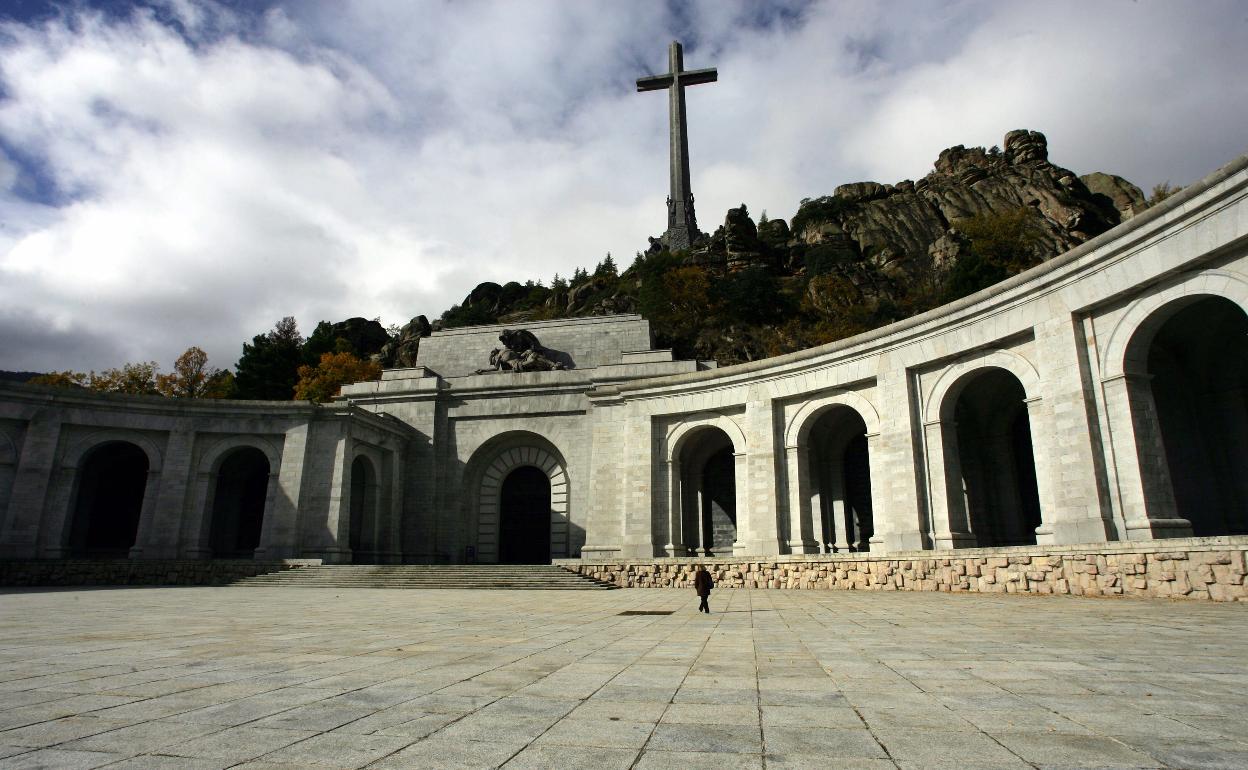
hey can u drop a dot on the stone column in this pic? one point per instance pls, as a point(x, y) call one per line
point(879, 501)
point(898, 462)
point(747, 540)
point(675, 541)
point(58, 519)
point(758, 510)
point(1070, 472)
point(840, 511)
point(336, 549)
point(392, 505)
point(279, 532)
point(196, 542)
point(1144, 489)
point(705, 530)
point(801, 511)
point(160, 534)
point(147, 513)
point(948, 500)
point(19, 539)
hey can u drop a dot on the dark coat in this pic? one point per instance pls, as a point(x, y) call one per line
point(702, 583)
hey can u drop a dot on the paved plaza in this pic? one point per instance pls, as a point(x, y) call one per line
point(292, 677)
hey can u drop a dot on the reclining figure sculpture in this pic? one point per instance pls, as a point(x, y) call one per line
point(521, 353)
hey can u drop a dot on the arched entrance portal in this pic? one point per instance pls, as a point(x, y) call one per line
point(111, 484)
point(238, 504)
point(842, 476)
point(365, 533)
point(994, 451)
point(1198, 365)
point(524, 517)
point(706, 463)
point(510, 500)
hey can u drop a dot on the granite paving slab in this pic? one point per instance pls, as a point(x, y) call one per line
point(278, 679)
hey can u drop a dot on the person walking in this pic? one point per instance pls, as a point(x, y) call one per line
point(702, 585)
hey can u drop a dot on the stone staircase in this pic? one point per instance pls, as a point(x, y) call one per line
point(516, 576)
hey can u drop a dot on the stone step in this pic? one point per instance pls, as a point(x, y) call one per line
point(466, 576)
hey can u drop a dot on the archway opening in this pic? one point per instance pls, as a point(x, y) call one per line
point(997, 461)
point(238, 504)
point(1198, 363)
point(708, 486)
point(111, 483)
point(524, 517)
point(364, 523)
point(842, 481)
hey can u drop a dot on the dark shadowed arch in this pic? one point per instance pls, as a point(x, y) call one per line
point(365, 534)
point(1195, 355)
point(112, 479)
point(239, 503)
point(996, 459)
point(524, 517)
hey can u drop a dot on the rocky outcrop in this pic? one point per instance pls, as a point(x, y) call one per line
point(904, 227)
point(866, 255)
point(741, 245)
point(1117, 192)
point(401, 351)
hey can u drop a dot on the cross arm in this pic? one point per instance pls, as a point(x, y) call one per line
point(654, 83)
point(693, 77)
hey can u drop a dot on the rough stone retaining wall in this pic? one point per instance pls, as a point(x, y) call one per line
point(1189, 568)
point(137, 572)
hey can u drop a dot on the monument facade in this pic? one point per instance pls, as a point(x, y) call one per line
point(1101, 397)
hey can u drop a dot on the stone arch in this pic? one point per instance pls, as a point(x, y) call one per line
point(982, 436)
point(241, 500)
point(1133, 332)
point(364, 529)
point(679, 433)
point(113, 492)
point(494, 461)
point(948, 386)
point(832, 504)
point(210, 460)
point(1177, 402)
point(703, 472)
point(198, 534)
point(79, 449)
point(796, 433)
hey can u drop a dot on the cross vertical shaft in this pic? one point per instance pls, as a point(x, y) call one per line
point(682, 224)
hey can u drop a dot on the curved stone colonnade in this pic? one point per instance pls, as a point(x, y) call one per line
point(1101, 396)
point(105, 476)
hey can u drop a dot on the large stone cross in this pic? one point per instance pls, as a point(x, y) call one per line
point(682, 224)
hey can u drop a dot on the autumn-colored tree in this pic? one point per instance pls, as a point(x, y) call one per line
point(190, 376)
point(322, 382)
point(65, 379)
point(220, 385)
point(138, 379)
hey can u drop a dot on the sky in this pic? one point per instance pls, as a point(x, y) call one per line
point(187, 172)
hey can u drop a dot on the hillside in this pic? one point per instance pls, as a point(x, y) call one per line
point(864, 256)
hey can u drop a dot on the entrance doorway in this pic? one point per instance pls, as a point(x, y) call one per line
point(524, 512)
point(1198, 367)
point(238, 504)
point(110, 498)
point(993, 435)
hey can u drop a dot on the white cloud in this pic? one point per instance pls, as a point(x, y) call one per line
point(381, 158)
